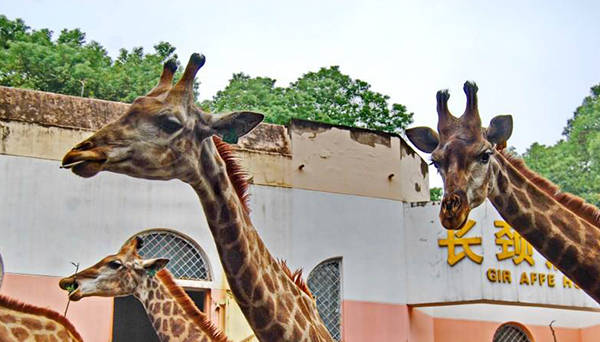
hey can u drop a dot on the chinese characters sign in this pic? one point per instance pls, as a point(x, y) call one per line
point(511, 246)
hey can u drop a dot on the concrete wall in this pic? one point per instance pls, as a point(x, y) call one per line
point(334, 158)
point(341, 203)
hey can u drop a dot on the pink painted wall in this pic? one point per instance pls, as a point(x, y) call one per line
point(590, 334)
point(451, 330)
point(368, 321)
point(92, 317)
point(421, 326)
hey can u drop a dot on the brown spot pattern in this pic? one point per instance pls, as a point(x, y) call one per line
point(31, 324)
point(19, 333)
point(177, 326)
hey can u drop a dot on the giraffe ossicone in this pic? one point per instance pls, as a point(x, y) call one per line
point(172, 313)
point(163, 136)
point(474, 166)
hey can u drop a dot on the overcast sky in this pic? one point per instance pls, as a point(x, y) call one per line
point(533, 59)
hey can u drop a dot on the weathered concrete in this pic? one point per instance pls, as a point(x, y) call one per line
point(306, 155)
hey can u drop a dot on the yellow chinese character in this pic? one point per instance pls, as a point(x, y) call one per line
point(513, 245)
point(455, 238)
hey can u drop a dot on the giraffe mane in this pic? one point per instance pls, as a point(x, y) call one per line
point(296, 278)
point(16, 305)
point(190, 308)
point(574, 203)
point(235, 171)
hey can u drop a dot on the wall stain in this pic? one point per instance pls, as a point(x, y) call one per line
point(424, 168)
point(417, 187)
point(368, 138)
point(4, 132)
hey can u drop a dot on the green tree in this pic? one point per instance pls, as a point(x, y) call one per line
point(435, 194)
point(326, 95)
point(252, 93)
point(574, 163)
point(68, 65)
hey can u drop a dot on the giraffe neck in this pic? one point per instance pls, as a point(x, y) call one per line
point(168, 309)
point(21, 322)
point(568, 241)
point(274, 306)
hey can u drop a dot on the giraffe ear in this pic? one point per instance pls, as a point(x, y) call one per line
point(424, 138)
point(500, 129)
point(154, 265)
point(231, 126)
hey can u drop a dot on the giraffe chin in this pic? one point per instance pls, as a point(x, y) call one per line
point(75, 296)
point(87, 169)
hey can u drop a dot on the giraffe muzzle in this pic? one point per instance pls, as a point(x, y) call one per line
point(455, 210)
point(72, 286)
point(84, 163)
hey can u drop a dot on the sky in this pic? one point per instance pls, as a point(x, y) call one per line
point(535, 60)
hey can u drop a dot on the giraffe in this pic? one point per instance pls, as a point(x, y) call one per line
point(171, 311)
point(165, 136)
point(20, 322)
point(474, 166)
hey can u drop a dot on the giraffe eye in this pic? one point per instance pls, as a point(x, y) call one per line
point(484, 158)
point(435, 163)
point(169, 124)
point(115, 265)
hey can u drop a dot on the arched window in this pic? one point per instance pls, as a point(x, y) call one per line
point(512, 332)
point(324, 281)
point(187, 260)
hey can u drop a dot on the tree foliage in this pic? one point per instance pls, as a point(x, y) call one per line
point(327, 95)
point(574, 162)
point(68, 65)
point(435, 194)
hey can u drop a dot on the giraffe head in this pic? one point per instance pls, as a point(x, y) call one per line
point(158, 137)
point(461, 150)
point(115, 275)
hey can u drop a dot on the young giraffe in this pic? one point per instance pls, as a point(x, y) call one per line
point(172, 313)
point(165, 136)
point(20, 322)
point(473, 166)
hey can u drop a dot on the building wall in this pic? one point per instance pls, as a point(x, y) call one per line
point(348, 201)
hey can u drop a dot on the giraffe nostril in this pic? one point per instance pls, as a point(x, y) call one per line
point(85, 145)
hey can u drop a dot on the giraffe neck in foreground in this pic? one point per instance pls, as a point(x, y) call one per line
point(569, 242)
point(23, 323)
point(168, 316)
point(275, 307)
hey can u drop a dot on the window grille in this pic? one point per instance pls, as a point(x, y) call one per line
point(186, 260)
point(325, 283)
point(511, 332)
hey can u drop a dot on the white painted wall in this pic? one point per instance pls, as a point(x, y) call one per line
point(431, 280)
point(49, 217)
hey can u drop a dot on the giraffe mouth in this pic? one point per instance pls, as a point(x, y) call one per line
point(84, 163)
point(72, 287)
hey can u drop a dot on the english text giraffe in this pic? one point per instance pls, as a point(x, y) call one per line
point(172, 313)
point(20, 322)
point(164, 136)
point(473, 166)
